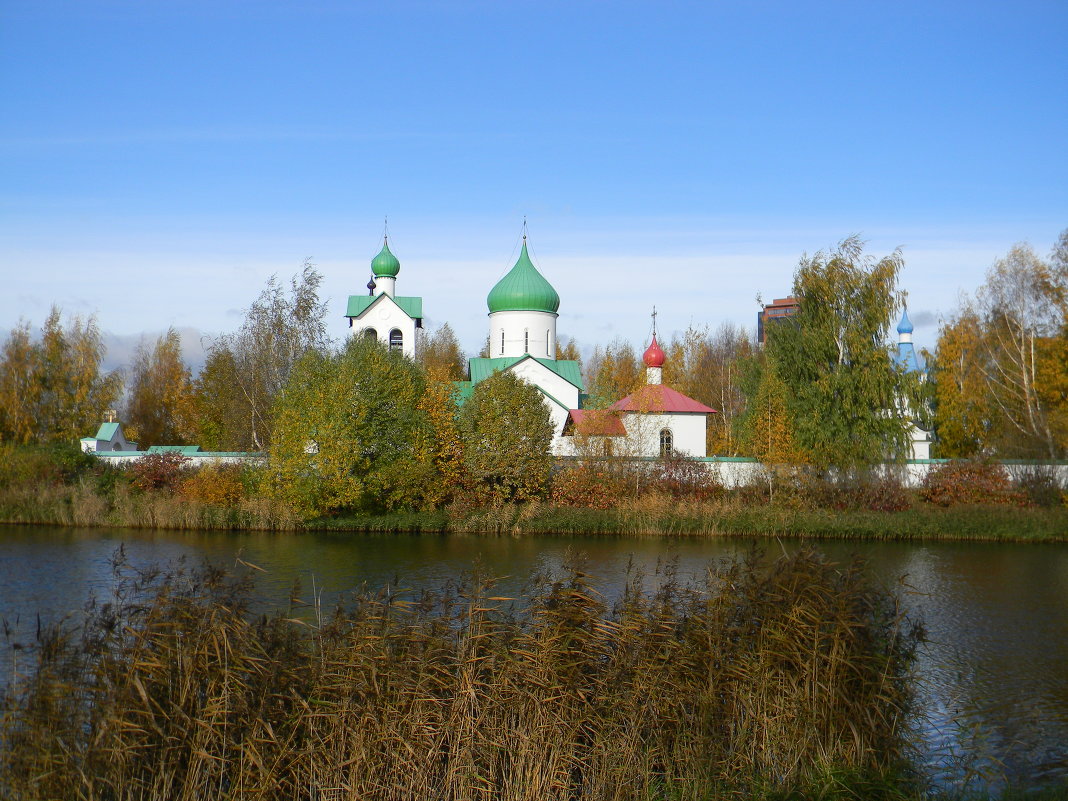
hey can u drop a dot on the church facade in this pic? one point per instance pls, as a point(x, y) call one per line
point(655, 420)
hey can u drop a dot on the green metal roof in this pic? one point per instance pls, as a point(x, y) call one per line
point(567, 369)
point(185, 450)
point(523, 288)
point(385, 264)
point(358, 304)
point(107, 430)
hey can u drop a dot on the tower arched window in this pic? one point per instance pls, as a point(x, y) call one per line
point(502, 341)
point(370, 333)
point(526, 340)
point(666, 443)
point(396, 340)
point(548, 345)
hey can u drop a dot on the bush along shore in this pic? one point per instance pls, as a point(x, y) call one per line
point(958, 500)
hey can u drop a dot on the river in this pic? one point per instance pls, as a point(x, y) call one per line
point(993, 677)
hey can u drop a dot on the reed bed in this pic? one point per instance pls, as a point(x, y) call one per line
point(761, 679)
point(82, 504)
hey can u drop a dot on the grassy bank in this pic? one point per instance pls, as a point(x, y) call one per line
point(989, 523)
point(764, 680)
point(59, 487)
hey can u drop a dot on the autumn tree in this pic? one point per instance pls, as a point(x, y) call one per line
point(441, 445)
point(569, 352)
point(440, 351)
point(1023, 352)
point(706, 366)
point(507, 434)
point(279, 328)
point(765, 428)
point(844, 390)
point(51, 388)
point(613, 372)
point(347, 430)
point(964, 421)
point(160, 399)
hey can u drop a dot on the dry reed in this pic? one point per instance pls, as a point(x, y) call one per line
point(762, 677)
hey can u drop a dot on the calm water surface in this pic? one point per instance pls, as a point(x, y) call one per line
point(994, 677)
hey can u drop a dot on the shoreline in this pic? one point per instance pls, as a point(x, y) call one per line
point(925, 523)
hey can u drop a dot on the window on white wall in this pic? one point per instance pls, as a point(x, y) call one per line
point(526, 341)
point(547, 345)
point(665, 443)
point(502, 341)
point(370, 333)
point(396, 340)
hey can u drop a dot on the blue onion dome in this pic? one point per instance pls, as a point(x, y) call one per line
point(385, 264)
point(905, 326)
point(523, 288)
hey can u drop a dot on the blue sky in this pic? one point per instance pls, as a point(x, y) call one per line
point(158, 161)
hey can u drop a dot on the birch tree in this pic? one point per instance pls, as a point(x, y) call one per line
point(834, 356)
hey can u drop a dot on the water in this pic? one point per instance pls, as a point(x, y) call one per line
point(993, 679)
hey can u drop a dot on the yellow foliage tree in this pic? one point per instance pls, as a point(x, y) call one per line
point(161, 399)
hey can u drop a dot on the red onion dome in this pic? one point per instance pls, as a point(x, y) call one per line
point(653, 356)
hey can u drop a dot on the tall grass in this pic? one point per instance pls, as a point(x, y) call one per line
point(764, 678)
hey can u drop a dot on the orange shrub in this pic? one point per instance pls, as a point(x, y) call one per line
point(970, 482)
point(584, 486)
point(219, 485)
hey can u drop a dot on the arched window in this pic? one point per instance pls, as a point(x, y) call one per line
point(396, 340)
point(502, 341)
point(370, 333)
point(548, 352)
point(526, 340)
point(665, 443)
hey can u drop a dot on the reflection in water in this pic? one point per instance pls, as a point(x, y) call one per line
point(993, 679)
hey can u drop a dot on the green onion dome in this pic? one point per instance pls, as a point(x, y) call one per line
point(385, 264)
point(523, 289)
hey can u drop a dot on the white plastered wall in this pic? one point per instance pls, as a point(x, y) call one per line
point(385, 316)
point(530, 332)
point(687, 433)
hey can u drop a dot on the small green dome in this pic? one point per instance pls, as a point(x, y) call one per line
point(523, 289)
point(385, 264)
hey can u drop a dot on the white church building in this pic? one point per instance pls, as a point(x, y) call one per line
point(382, 314)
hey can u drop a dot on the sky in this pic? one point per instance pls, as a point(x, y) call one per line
point(160, 161)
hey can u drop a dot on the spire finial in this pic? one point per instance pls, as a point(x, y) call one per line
point(524, 228)
point(385, 228)
point(654, 321)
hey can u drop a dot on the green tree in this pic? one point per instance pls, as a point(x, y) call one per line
point(222, 411)
point(507, 434)
point(441, 351)
point(51, 389)
point(845, 393)
point(278, 329)
point(765, 429)
point(347, 431)
point(160, 406)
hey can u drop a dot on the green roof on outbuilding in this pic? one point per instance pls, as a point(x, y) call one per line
point(185, 450)
point(107, 430)
point(358, 304)
point(523, 288)
point(569, 370)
